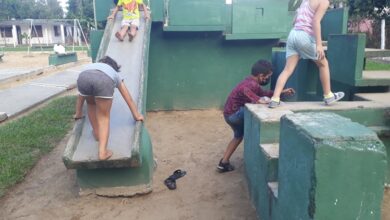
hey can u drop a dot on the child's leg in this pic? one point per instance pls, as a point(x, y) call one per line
point(92, 116)
point(79, 107)
point(123, 31)
point(133, 30)
point(289, 68)
point(103, 108)
point(232, 146)
point(323, 68)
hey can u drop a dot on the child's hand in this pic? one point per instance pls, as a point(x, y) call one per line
point(264, 100)
point(320, 52)
point(110, 17)
point(288, 92)
point(147, 16)
point(139, 117)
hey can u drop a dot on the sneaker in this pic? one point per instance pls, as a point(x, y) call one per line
point(273, 104)
point(224, 167)
point(336, 97)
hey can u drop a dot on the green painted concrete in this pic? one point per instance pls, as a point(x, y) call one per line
point(258, 17)
point(259, 167)
point(95, 38)
point(197, 70)
point(157, 10)
point(95, 179)
point(335, 21)
point(346, 57)
point(315, 159)
point(60, 59)
point(386, 142)
point(102, 9)
point(201, 13)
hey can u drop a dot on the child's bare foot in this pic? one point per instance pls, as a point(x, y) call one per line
point(105, 155)
point(131, 37)
point(118, 35)
point(78, 116)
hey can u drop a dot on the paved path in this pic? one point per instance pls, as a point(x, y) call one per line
point(16, 100)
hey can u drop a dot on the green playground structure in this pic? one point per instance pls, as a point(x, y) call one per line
point(303, 160)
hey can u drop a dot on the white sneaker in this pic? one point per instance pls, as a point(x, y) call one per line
point(336, 97)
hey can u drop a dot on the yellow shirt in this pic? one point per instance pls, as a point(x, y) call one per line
point(130, 8)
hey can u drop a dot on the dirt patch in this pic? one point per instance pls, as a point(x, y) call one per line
point(37, 61)
point(32, 60)
point(189, 140)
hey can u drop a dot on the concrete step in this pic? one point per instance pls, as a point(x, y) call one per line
point(273, 195)
point(373, 52)
point(374, 78)
point(375, 97)
point(271, 154)
point(381, 131)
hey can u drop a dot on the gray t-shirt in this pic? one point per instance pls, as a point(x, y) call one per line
point(107, 69)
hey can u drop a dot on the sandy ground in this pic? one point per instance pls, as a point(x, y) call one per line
point(193, 141)
point(189, 140)
point(32, 60)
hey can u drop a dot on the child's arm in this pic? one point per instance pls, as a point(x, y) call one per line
point(127, 97)
point(112, 16)
point(146, 12)
point(321, 9)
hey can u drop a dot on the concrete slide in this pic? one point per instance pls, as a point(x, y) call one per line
point(128, 139)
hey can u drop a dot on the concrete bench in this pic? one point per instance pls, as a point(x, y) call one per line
point(60, 59)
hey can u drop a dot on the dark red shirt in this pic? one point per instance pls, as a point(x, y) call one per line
point(247, 91)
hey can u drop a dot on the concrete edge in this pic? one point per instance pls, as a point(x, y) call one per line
point(119, 191)
point(37, 103)
point(3, 116)
point(72, 143)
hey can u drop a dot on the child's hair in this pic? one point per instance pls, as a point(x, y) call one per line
point(111, 62)
point(261, 67)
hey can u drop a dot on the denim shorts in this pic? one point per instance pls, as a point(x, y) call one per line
point(236, 122)
point(301, 43)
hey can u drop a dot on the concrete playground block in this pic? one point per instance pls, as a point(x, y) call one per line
point(266, 122)
point(260, 159)
point(120, 181)
point(329, 166)
point(60, 59)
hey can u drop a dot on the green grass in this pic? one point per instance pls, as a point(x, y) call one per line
point(25, 140)
point(372, 65)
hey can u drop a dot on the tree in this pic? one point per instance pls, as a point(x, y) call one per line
point(83, 11)
point(36, 9)
point(377, 9)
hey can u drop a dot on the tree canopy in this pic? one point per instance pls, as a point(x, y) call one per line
point(36, 9)
point(370, 8)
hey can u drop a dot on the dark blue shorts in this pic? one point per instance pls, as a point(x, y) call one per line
point(236, 122)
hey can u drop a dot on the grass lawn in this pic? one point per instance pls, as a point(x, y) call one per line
point(372, 65)
point(25, 140)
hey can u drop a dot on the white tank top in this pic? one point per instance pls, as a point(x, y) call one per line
point(304, 18)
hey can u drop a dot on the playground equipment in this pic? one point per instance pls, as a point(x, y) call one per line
point(311, 165)
point(200, 49)
point(129, 170)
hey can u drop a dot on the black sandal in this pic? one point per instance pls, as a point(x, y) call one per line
point(170, 182)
